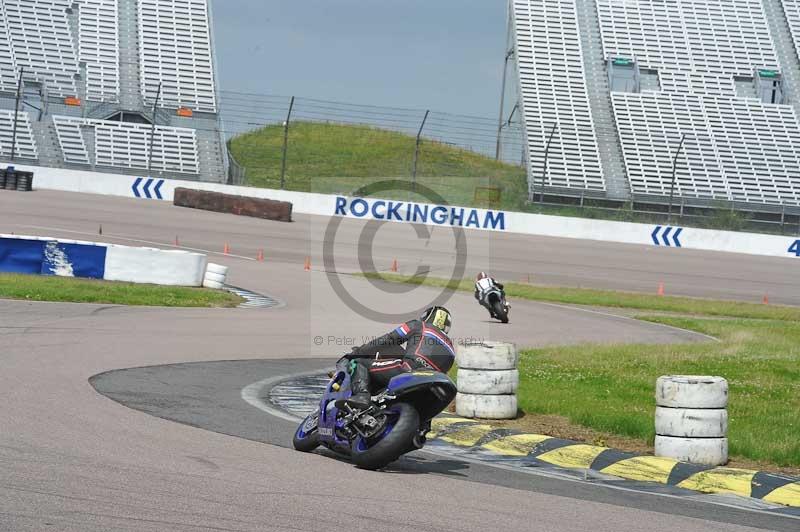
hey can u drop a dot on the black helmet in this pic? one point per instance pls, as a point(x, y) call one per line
point(439, 317)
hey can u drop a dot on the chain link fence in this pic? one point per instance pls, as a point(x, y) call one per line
point(333, 147)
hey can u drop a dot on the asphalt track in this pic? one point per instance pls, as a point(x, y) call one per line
point(72, 459)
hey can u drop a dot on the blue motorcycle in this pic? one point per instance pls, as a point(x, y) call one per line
point(396, 421)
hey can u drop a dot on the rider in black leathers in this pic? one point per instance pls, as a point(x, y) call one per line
point(483, 283)
point(427, 346)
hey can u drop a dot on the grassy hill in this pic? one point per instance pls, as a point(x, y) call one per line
point(334, 158)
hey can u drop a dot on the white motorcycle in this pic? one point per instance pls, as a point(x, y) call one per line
point(493, 298)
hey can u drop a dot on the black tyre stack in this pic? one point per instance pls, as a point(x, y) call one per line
point(24, 181)
point(11, 179)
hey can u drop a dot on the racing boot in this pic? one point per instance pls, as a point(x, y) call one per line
point(359, 385)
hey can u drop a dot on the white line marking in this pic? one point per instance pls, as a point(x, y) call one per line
point(251, 395)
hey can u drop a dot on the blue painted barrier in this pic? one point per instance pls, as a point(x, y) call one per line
point(51, 257)
point(21, 255)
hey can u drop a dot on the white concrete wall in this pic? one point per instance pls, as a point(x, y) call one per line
point(154, 266)
point(513, 222)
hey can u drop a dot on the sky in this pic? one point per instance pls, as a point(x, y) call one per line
point(443, 55)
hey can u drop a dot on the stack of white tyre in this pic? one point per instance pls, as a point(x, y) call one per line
point(216, 275)
point(487, 380)
point(692, 419)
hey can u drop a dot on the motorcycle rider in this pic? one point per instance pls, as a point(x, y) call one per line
point(483, 284)
point(427, 346)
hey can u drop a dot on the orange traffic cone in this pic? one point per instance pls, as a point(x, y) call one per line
point(661, 289)
point(226, 250)
point(765, 300)
point(307, 265)
point(394, 265)
point(260, 256)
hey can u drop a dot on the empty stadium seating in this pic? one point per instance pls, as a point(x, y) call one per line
point(8, 66)
point(175, 51)
point(99, 48)
point(693, 82)
point(728, 37)
point(126, 145)
point(25, 147)
point(43, 44)
point(735, 149)
point(792, 10)
point(70, 139)
point(553, 91)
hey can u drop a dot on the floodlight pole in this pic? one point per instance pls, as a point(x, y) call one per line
point(509, 54)
point(16, 113)
point(153, 133)
point(672, 184)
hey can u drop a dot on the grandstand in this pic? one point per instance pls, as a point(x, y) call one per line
point(91, 72)
point(622, 81)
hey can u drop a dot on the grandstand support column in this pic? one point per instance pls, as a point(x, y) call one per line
point(784, 48)
point(286, 143)
point(16, 113)
point(153, 132)
point(672, 184)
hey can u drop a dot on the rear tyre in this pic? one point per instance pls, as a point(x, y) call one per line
point(306, 437)
point(397, 439)
point(500, 311)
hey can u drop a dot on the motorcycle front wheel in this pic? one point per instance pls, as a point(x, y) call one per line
point(396, 438)
point(306, 437)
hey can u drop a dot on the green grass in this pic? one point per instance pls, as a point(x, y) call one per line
point(334, 158)
point(70, 289)
point(610, 388)
point(615, 299)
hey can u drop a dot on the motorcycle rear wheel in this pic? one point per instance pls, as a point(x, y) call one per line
point(500, 311)
point(396, 440)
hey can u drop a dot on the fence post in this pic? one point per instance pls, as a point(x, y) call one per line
point(16, 113)
point(416, 150)
point(153, 133)
point(544, 169)
point(672, 185)
point(285, 143)
point(783, 217)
